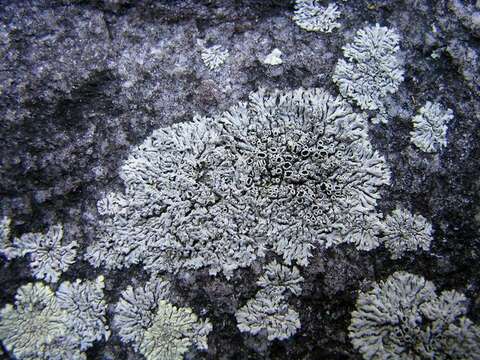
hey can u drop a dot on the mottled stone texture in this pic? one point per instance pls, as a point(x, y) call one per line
point(82, 81)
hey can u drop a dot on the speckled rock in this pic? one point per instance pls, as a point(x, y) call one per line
point(83, 81)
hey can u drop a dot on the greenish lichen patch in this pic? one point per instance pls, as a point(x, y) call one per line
point(46, 325)
point(155, 327)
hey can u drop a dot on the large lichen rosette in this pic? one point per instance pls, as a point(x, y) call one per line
point(284, 171)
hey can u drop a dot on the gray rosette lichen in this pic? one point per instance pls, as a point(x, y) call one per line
point(281, 278)
point(430, 127)
point(372, 68)
point(403, 318)
point(285, 171)
point(46, 325)
point(310, 15)
point(269, 312)
point(404, 231)
point(49, 255)
point(156, 328)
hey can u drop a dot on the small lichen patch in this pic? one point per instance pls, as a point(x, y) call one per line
point(430, 127)
point(49, 256)
point(83, 301)
point(274, 58)
point(44, 325)
point(281, 278)
point(6, 246)
point(404, 231)
point(155, 327)
point(372, 69)
point(403, 318)
point(269, 312)
point(310, 15)
point(214, 56)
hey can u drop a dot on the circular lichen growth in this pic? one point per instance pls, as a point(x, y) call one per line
point(283, 172)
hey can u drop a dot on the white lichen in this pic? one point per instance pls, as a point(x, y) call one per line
point(4, 231)
point(49, 256)
point(274, 58)
point(44, 325)
point(6, 246)
point(404, 318)
point(430, 127)
point(312, 16)
point(286, 171)
point(270, 314)
point(372, 69)
point(135, 311)
point(214, 56)
point(156, 328)
point(404, 231)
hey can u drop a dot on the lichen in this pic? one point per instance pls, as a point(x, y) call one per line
point(404, 318)
point(155, 327)
point(312, 16)
point(6, 246)
point(269, 312)
point(4, 231)
point(430, 127)
point(372, 68)
point(404, 231)
point(45, 325)
point(286, 171)
point(49, 256)
point(214, 56)
point(83, 301)
point(274, 58)
point(281, 278)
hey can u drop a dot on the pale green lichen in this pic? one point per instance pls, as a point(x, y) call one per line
point(310, 15)
point(404, 318)
point(86, 308)
point(44, 325)
point(174, 330)
point(430, 127)
point(372, 69)
point(155, 327)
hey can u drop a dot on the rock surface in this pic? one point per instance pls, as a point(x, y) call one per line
point(83, 81)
